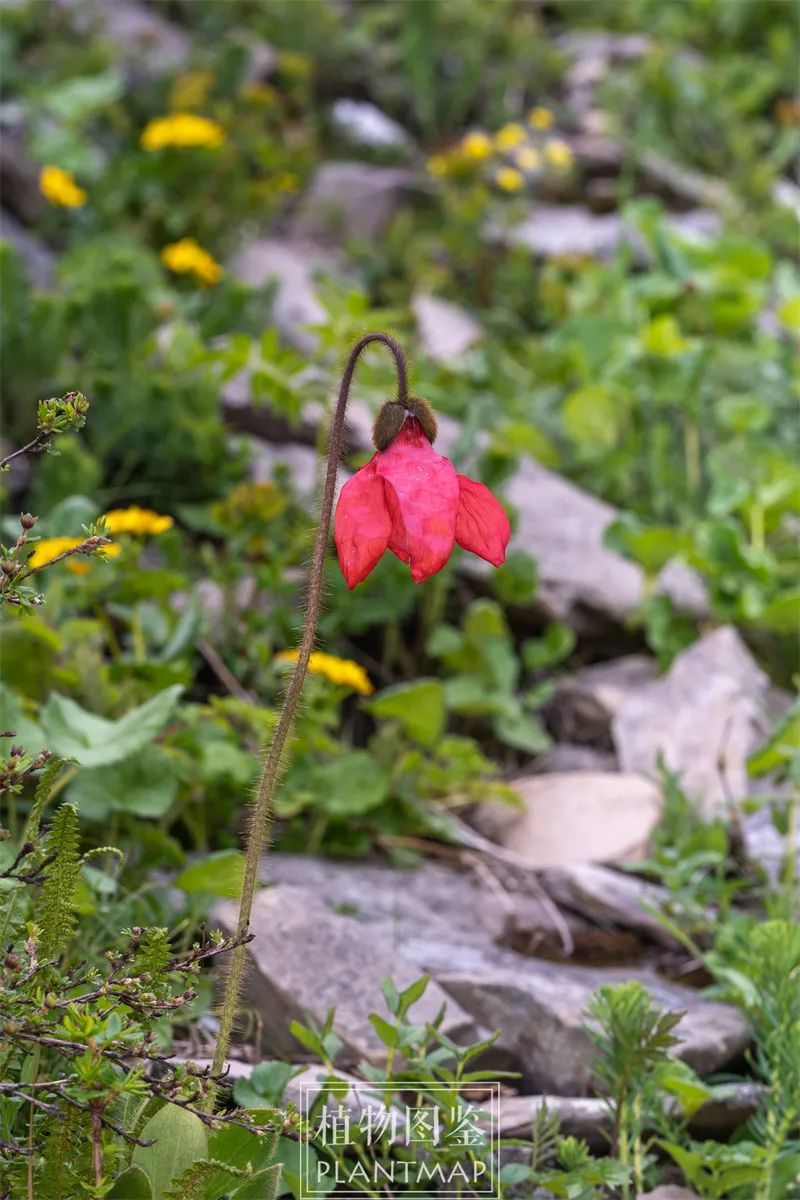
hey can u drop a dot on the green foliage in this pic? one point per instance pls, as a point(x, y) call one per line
point(57, 912)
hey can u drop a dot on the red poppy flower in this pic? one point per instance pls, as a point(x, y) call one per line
point(410, 500)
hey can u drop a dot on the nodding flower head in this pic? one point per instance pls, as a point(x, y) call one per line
point(410, 500)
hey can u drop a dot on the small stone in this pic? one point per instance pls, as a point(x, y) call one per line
point(292, 266)
point(363, 124)
point(603, 895)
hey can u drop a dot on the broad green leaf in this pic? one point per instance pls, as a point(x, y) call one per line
point(264, 1185)
point(179, 1140)
point(591, 417)
point(143, 785)
point(288, 1155)
point(14, 719)
point(663, 338)
point(515, 581)
point(132, 1184)
point(419, 706)
point(217, 874)
point(556, 643)
point(94, 741)
point(522, 731)
point(206, 1180)
point(386, 1032)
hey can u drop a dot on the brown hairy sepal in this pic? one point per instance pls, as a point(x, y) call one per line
point(389, 420)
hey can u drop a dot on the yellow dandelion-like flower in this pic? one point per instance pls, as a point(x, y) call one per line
point(437, 165)
point(559, 154)
point(476, 146)
point(60, 188)
point(338, 670)
point(540, 118)
point(138, 521)
point(50, 548)
point(528, 158)
point(187, 258)
point(509, 179)
point(509, 137)
point(182, 129)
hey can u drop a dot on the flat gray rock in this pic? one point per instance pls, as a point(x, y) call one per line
point(446, 331)
point(539, 1007)
point(307, 958)
point(610, 896)
point(291, 265)
point(352, 200)
point(553, 230)
point(705, 716)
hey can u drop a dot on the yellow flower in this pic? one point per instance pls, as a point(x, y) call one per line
point(540, 118)
point(338, 670)
point(476, 146)
point(509, 137)
point(186, 257)
point(509, 179)
point(50, 548)
point(182, 129)
point(528, 158)
point(136, 520)
point(558, 154)
point(59, 187)
point(437, 165)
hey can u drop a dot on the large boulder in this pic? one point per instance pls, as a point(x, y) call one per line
point(704, 717)
point(307, 959)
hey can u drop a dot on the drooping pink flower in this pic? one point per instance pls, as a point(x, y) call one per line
point(410, 500)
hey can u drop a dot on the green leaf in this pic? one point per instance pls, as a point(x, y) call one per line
point(419, 706)
point(265, 1085)
point(289, 1156)
point(591, 417)
point(14, 719)
point(412, 994)
point(556, 643)
point(217, 874)
point(516, 580)
point(143, 785)
point(206, 1180)
point(132, 1184)
point(94, 741)
point(263, 1185)
point(522, 731)
point(783, 745)
point(386, 1032)
point(179, 1140)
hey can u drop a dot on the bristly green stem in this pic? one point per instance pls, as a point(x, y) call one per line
point(262, 811)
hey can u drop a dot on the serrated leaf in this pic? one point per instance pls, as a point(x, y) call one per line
point(206, 1180)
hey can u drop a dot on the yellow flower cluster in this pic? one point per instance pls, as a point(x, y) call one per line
point(182, 129)
point(50, 548)
point(187, 258)
point(60, 188)
point(136, 520)
point(524, 152)
point(338, 670)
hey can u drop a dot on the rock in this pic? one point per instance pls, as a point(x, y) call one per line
point(609, 896)
point(302, 463)
point(705, 716)
point(539, 1008)
point(579, 1116)
point(37, 259)
point(147, 42)
point(583, 816)
point(446, 331)
point(352, 200)
point(584, 704)
point(553, 230)
point(455, 908)
point(566, 756)
point(20, 175)
point(363, 124)
point(307, 959)
point(291, 265)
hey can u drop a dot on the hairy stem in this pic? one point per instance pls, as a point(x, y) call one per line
point(262, 810)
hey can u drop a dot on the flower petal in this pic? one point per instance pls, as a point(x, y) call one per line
point(425, 488)
point(362, 524)
point(481, 523)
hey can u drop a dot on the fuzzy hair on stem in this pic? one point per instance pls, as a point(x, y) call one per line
point(261, 814)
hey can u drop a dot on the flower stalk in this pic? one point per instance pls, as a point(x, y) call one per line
point(263, 801)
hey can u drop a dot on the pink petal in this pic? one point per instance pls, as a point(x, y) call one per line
point(425, 487)
point(362, 524)
point(481, 523)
